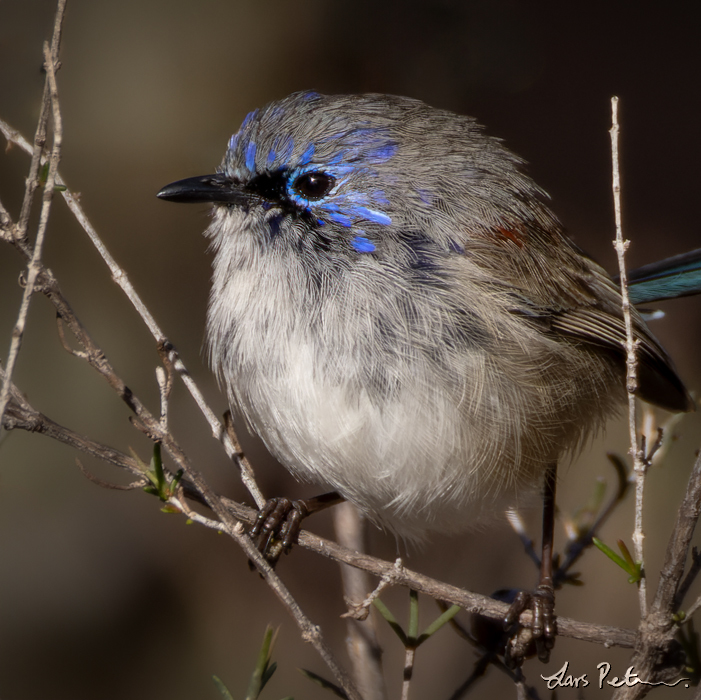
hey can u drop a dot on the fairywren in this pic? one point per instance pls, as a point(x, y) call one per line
point(399, 315)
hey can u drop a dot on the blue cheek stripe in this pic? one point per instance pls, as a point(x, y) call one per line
point(341, 219)
point(350, 200)
point(251, 156)
point(362, 244)
point(348, 208)
point(378, 217)
point(350, 215)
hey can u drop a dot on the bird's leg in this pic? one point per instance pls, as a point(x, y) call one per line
point(541, 601)
point(278, 522)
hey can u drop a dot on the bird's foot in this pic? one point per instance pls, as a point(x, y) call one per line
point(279, 521)
point(277, 526)
point(539, 634)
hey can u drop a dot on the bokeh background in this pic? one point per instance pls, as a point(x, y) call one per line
point(105, 596)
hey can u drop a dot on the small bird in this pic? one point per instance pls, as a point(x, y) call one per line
point(399, 315)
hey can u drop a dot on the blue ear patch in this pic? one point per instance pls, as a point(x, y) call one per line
point(362, 244)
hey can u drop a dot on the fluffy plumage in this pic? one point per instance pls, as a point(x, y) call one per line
point(398, 314)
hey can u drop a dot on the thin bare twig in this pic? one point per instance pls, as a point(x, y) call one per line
point(40, 278)
point(656, 652)
point(639, 463)
point(40, 136)
point(360, 610)
point(656, 649)
point(229, 523)
point(409, 656)
point(34, 267)
point(362, 643)
point(22, 416)
point(121, 278)
point(310, 632)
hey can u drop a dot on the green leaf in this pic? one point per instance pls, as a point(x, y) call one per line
point(222, 689)
point(160, 486)
point(44, 173)
point(263, 670)
point(626, 554)
point(268, 674)
point(328, 685)
point(632, 568)
point(446, 617)
point(391, 620)
point(610, 553)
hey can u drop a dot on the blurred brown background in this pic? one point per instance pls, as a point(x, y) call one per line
point(103, 596)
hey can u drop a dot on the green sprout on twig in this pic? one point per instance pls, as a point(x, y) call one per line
point(634, 569)
point(160, 484)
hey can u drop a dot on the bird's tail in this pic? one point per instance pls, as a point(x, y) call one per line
point(674, 277)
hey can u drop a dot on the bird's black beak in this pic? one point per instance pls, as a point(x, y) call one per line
point(218, 188)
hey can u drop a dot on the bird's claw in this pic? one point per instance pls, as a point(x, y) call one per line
point(542, 630)
point(277, 526)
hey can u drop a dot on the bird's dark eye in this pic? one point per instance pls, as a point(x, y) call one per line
point(314, 185)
